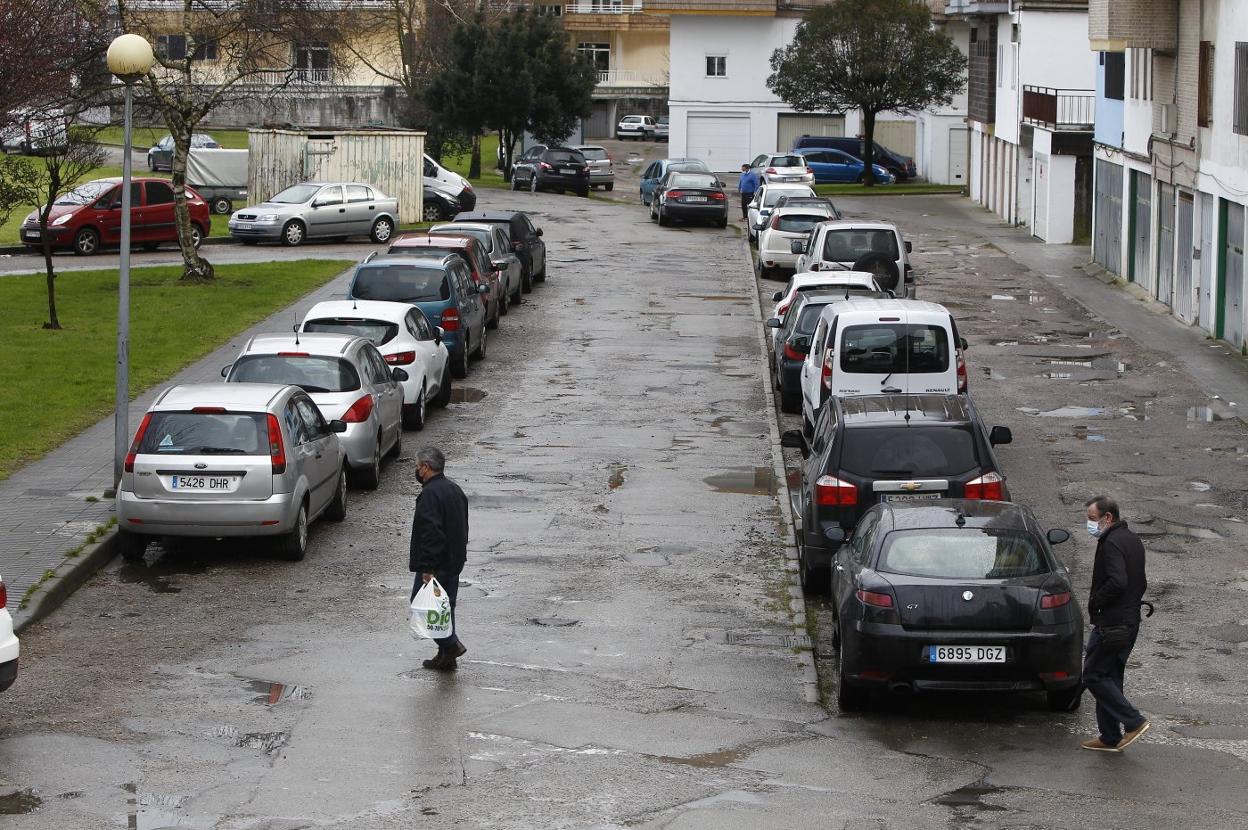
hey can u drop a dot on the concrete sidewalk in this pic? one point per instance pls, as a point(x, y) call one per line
point(57, 524)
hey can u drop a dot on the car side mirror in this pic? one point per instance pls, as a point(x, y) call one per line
point(963, 344)
point(909, 247)
point(773, 323)
point(794, 440)
point(225, 370)
point(777, 296)
point(337, 426)
point(398, 374)
point(438, 334)
point(892, 295)
point(1000, 435)
point(834, 534)
point(483, 288)
point(1056, 536)
point(539, 231)
point(797, 246)
point(499, 264)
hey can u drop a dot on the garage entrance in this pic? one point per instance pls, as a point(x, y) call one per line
point(721, 140)
point(792, 126)
point(898, 136)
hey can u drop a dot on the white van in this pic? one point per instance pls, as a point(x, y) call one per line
point(450, 183)
point(868, 346)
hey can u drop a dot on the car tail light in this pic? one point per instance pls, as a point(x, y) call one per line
point(277, 447)
point(988, 487)
point(831, 491)
point(675, 194)
point(775, 222)
point(134, 445)
point(810, 170)
point(1055, 600)
point(783, 307)
point(359, 411)
point(1050, 676)
point(770, 171)
point(792, 353)
point(4, 595)
point(717, 197)
point(874, 598)
point(293, 354)
point(545, 166)
point(826, 375)
point(209, 410)
point(961, 372)
point(401, 359)
point(450, 319)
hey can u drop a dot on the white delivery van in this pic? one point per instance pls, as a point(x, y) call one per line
point(868, 346)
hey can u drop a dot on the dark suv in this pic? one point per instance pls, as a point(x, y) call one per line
point(551, 168)
point(526, 240)
point(900, 166)
point(878, 449)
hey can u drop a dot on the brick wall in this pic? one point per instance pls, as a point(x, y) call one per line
point(1145, 24)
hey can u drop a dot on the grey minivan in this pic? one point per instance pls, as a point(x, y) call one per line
point(312, 210)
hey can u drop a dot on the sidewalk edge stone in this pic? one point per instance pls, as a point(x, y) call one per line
point(71, 575)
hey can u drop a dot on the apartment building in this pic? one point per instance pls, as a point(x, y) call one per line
point(942, 140)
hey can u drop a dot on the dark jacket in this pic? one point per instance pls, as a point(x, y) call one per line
point(439, 528)
point(1118, 581)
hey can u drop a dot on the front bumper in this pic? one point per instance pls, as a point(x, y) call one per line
point(159, 517)
point(255, 230)
point(60, 237)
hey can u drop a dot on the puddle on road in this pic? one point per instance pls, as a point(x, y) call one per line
point(1166, 527)
point(270, 692)
point(161, 576)
point(467, 394)
point(1085, 434)
point(709, 760)
point(267, 742)
point(502, 501)
point(19, 803)
point(1065, 412)
point(1203, 415)
point(1003, 297)
point(971, 796)
point(553, 622)
point(659, 555)
point(616, 480)
point(748, 481)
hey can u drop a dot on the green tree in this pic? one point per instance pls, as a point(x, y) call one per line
point(453, 94)
point(870, 55)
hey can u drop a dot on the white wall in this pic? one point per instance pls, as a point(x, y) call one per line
point(1052, 51)
point(1137, 114)
point(1224, 158)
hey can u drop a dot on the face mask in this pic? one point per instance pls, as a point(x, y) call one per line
point(1094, 528)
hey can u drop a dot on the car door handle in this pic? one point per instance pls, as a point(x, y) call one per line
point(319, 454)
point(342, 210)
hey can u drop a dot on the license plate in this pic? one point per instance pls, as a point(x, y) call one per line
point(32, 234)
point(210, 484)
point(244, 226)
point(567, 171)
point(911, 496)
point(695, 198)
point(966, 654)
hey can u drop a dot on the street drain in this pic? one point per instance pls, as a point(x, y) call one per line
point(467, 394)
point(269, 692)
point(19, 803)
point(553, 622)
point(748, 481)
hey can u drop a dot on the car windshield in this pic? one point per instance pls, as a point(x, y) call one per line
point(86, 193)
point(565, 157)
point(693, 180)
point(799, 222)
point(201, 433)
point(881, 348)
point(963, 553)
point(480, 234)
point(848, 244)
point(296, 195)
point(594, 153)
point(378, 331)
point(314, 373)
point(202, 140)
point(787, 161)
point(400, 283)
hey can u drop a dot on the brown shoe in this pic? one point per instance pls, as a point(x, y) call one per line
point(1134, 735)
point(1096, 745)
point(440, 662)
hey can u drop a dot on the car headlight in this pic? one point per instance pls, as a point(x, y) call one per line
point(267, 217)
point(62, 219)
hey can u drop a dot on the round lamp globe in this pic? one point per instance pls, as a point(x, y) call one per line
point(130, 57)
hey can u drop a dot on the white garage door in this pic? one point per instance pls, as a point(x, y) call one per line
point(722, 141)
point(790, 127)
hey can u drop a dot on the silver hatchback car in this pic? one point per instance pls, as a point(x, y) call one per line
point(216, 460)
point(318, 210)
point(347, 378)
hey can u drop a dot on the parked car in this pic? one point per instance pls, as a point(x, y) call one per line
point(318, 210)
point(160, 154)
point(655, 171)
point(601, 171)
point(689, 197)
point(551, 168)
point(213, 460)
point(450, 183)
point(883, 449)
point(782, 168)
point(442, 288)
point(348, 380)
point(403, 335)
point(832, 166)
point(473, 252)
point(791, 340)
point(662, 128)
point(635, 126)
point(88, 218)
point(808, 201)
point(526, 240)
point(33, 131)
point(10, 648)
point(955, 595)
point(775, 240)
point(758, 211)
point(438, 204)
point(858, 245)
point(498, 245)
point(846, 283)
point(881, 346)
point(900, 166)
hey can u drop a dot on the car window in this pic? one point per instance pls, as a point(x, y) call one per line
point(312, 373)
point(378, 332)
point(525, 228)
point(858, 542)
point(296, 427)
point(112, 199)
point(914, 451)
point(788, 161)
point(848, 244)
point(758, 161)
point(691, 180)
point(594, 153)
point(202, 433)
point(329, 196)
point(406, 283)
point(816, 340)
point(963, 553)
point(358, 193)
point(565, 157)
point(295, 195)
point(375, 366)
point(313, 424)
point(430, 170)
point(825, 429)
point(880, 348)
point(799, 222)
point(651, 172)
point(159, 193)
point(808, 318)
point(420, 325)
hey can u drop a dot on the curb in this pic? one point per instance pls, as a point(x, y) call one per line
point(15, 250)
point(797, 600)
point(71, 575)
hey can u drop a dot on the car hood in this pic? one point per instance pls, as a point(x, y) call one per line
point(271, 207)
point(32, 218)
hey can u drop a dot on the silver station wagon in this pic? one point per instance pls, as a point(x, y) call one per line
point(318, 210)
point(216, 460)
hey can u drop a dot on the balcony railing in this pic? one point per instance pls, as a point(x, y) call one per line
point(1060, 110)
point(603, 7)
point(292, 77)
point(629, 77)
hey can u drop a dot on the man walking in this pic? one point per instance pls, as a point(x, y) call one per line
point(439, 544)
point(748, 186)
point(1118, 585)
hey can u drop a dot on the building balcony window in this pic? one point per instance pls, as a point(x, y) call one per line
point(1059, 110)
point(603, 7)
point(629, 77)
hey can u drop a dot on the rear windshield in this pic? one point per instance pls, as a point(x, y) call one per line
point(565, 157)
point(378, 331)
point(693, 180)
point(808, 318)
point(847, 245)
point(963, 553)
point(773, 195)
point(880, 348)
point(799, 222)
point(196, 433)
point(594, 153)
point(400, 283)
point(480, 234)
point(787, 161)
point(909, 451)
point(314, 373)
point(690, 166)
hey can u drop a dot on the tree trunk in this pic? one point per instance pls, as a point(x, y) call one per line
point(194, 267)
point(54, 322)
point(474, 166)
point(507, 143)
point(868, 147)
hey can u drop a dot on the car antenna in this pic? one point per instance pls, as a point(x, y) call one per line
point(296, 330)
point(961, 520)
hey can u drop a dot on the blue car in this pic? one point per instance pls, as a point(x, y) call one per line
point(441, 287)
point(654, 174)
point(836, 167)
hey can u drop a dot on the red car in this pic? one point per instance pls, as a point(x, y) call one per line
point(88, 218)
point(474, 253)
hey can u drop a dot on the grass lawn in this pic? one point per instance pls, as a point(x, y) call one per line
point(147, 136)
point(491, 176)
point(902, 189)
point(56, 383)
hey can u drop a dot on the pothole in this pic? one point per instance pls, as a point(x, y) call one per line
point(160, 577)
point(19, 803)
point(749, 481)
point(1166, 527)
point(270, 692)
point(972, 796)
point(467, 394)
point(553, 622)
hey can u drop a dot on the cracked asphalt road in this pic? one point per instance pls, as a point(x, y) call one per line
point(632, 658)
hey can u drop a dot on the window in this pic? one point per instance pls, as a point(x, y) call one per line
point(888, 348)
point(375, 367)
point(1142, 74)
point(549, 11)
point(909, 451)
point(313, 424)
point(315, 373)
point(716, 66)
point(379, 332)
point(329, 196)
point(159, 193)
point(963, 554)
point(599, 54)
point(312, 62)
point(1115, 71)
point(173, 47)
point(193, 433)
point(359, 193)
point(1204, 104)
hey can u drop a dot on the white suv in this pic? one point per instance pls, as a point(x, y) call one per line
point(9, 647)
point(856, 245)
point(786, 225)
point(635, 126)
point(783, 168)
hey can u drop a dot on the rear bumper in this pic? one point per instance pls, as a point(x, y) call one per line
point(706, 213)
point(790, 375)
point(556, 181)
point(159, 517)
point(607, 177)
point(467, 199)
point(8, 674)
point(777, 259)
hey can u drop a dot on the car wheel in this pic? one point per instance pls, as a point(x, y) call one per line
point(294, 545)
point(222, 205)
point(293, 233)
point(383, 229)
point(644, 200)
point(815, 581)
point(1065, 700)
point(654, 217)
point(849, 698)
point(337, 510)
point(610, 187)
point(197, 236)
point(480, 352)
point(430, 212)
point(790, 402)
point(396, 449)
point(526, 281)
point(722, 223)
point(131, 546)
point(460, 366)
point(515, 295)
point(150, 246)
point(151, 165)
point(584, 194)
point(663, 220)
point(414, 413)
point(369, 477)
point(444, 389)
point(86, 242)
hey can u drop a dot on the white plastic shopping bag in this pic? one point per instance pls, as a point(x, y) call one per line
point(430, 614)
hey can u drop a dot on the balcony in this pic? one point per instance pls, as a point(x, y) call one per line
point(604, 7)
point(630, 78)
point(291, 77)
point(1114, 25)
point(1059, 110)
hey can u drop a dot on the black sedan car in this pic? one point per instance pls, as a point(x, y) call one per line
point(791, 341)
point(957, 595)
point(551, 168)
point(526, 241)
point(886, 449)
point(693, 197)
point(439, 205)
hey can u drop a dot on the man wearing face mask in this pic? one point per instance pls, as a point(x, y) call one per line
point(439, 544)
point(1118, 585)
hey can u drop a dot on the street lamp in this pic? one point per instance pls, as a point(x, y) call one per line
point(129, 58)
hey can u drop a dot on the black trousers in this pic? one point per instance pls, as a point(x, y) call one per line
point(1104, 673)
point(746, 198)
point(449, 580)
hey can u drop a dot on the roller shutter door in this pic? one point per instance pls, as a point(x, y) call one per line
point(790, 127)
point(722, 141)
point(898, 136)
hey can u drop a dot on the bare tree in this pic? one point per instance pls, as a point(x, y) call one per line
point(48, 48)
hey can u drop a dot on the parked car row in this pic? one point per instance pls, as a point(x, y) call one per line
point(299, 416)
